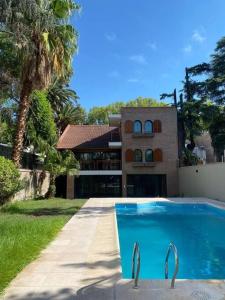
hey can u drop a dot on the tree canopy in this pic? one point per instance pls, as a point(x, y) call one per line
point(99, 114)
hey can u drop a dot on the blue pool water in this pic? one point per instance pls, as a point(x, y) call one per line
point(197, 230)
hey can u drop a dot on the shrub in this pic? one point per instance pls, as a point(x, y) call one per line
point(10, 182)
point(189, 158)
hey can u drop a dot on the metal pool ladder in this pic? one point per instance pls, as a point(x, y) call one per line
point(136, 259)
point(174, 249)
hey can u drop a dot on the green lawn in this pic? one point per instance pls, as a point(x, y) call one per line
point(26, 228)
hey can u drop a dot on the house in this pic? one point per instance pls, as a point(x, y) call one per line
point(136, 155)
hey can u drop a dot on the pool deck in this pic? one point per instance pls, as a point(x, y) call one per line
point(83, 262)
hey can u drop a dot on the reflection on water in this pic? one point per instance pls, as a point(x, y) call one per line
point(196, 229)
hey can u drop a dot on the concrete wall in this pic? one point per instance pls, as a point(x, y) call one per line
point(35, 185)
point(203, 181)
point(166, 140)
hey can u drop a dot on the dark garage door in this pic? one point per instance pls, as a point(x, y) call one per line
point(146, 185)
point(98, 186)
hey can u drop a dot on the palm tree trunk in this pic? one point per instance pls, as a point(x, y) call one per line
point(24, 105)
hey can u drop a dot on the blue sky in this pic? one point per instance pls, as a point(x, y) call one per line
point(140, 48)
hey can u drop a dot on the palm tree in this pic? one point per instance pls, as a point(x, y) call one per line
point(69, 115)
point(59, 94)
point(44, 42)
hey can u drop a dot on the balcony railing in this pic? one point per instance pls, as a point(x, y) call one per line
point(100, 164)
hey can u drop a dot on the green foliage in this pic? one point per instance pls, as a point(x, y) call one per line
point(70, 115)
point(99, 114)
point(188, 158)
point(41, 122)
point(56, 163)
point(60, 163)
point(144, 102)
point(7, 121)
point(10, 182)
point(6, 133)
point(30, 25)
point(214, 118)
point(65, 107)
point(216, 77)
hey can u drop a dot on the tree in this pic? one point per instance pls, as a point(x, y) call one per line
point(214, 120)
point(59, 95)
point(216, 75)
point(64, 105)
point(38, 36)
point(7, 121)
point(40, 122)
point(69, 115)
point(100, 114)
point(57, 163)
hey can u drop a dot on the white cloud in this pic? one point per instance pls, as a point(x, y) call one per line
point(198, 37)
point(139, 58)
point(152, 45)
point(110, 36)
point(114, 74)
point(187, 49)
point(133, 80)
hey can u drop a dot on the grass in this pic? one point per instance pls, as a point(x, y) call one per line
point(26, 228)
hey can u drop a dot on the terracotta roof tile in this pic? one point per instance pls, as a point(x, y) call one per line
point(88, 136)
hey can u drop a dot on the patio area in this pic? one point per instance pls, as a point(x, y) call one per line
point(83, 262)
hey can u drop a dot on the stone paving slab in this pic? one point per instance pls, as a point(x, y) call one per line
point(83, 262)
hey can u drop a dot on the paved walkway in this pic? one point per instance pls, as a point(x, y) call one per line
point(83, 263)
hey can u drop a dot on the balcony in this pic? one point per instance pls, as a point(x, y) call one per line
point(143, 135)
point(144, 164)
point(103, 165)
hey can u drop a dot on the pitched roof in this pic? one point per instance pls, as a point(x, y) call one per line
point(88, 136)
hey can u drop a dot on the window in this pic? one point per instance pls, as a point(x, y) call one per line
point(138, 155)
point(149, 155)
point(148, 127)
point(137, 127)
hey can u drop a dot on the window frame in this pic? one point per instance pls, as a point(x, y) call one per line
point(137, 122)
point(146, 122)
point(146, 151)
point(135, 153)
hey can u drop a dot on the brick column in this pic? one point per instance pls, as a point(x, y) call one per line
point(70, 187)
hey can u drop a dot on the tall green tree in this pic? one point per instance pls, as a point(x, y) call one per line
point(64, 104)
point(39, 38)
point(40, 123)
point(216, 75)
point(100, 114)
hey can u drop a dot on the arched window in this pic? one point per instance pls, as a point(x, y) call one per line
point(138, 155)
point(149, 155)
point(148, 127)
point(137, 126)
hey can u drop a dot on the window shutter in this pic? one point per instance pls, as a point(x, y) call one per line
point(129, 155)
point(157, 126)
point(158, 156)
point(128, 126)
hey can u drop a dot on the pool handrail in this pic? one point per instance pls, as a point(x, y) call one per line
point(136, 272)
point(174, 249)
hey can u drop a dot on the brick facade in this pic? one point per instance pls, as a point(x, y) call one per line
point(166, 140)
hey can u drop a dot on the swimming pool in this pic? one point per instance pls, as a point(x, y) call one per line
point(197, 230)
